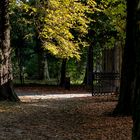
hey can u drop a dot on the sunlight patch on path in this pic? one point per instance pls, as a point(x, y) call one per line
point(50, 96)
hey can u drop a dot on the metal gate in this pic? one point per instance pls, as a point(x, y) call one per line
point(105, 83)
point(107, 67)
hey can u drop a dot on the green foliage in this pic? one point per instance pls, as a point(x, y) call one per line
point(54, 19)
point(76, 70)
point(65, 27)
point(54, 67)
point(116, 11)
point(107, 24)
point(61, 16)
point(32, 67)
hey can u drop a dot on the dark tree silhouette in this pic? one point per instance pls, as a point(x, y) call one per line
point(136, 85)
point(124, 106)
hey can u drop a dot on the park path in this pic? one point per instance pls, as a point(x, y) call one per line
point(24, 96)
point(48, 116)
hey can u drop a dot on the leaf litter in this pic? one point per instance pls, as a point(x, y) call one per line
point(82, 118)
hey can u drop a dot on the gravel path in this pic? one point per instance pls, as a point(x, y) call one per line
point(50, 96)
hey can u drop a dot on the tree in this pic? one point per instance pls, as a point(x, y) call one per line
point(109, 28)
point(65, 24)
point(57, 24)
point(89, 67)
point(60, 18)
point(21, 39)
point(124, 106)
point(103, 32)
point(135, 12)
point(6, 89)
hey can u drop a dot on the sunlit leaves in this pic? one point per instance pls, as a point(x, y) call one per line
point(60, 17)
point(54, 20)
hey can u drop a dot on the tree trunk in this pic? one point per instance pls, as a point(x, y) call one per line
point(6, 89)
point(90, 67)
point(63, 72)
point(43, 72)
point(136, 105)
point(136, 85)
point(124, 106)
point(46, 69)
point(40, 55)
point(88, 80)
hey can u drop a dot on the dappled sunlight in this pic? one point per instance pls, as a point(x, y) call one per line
point(33, 96)
point(2, 110)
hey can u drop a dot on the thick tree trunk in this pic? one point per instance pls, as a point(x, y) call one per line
point(136, 85)
point(136, 106)
point(7, 92)
point(124, 106)
point(6, 89)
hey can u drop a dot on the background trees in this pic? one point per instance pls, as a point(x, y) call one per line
point(75, 28)
point(105, 34)
point(63, 28)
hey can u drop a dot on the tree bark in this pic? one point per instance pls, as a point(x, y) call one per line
point(136, 106)
point(136, 85)
point(6, 89)
point(124, 106)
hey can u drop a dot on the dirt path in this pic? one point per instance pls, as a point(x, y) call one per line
point(78, 118)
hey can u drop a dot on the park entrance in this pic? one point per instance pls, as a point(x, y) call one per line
point(106, 71)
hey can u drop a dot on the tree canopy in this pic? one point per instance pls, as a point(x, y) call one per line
point(54, 20)
point(62, 25)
